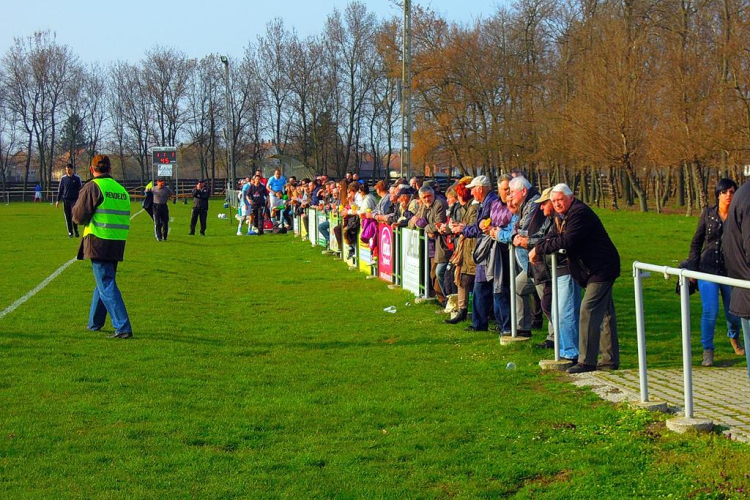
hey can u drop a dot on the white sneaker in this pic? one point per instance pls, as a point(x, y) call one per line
point(239, 233)
point(255, 229)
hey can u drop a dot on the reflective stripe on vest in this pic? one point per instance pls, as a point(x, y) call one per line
point(111, 219)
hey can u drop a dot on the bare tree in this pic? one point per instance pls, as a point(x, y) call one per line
point(272, 70)
point(9, 139)
point(167, 72)
point(350, 39)
point(204, 104)
point(132, 99)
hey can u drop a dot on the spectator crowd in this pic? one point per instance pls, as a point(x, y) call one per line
point(474, 229)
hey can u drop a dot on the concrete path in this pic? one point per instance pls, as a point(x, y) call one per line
point(719, 394)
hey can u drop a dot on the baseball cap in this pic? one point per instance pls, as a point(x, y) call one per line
point(404, 191)
point(545, 196)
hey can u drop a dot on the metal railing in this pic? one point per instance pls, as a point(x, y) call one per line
point(555, 307)
point(642, 270)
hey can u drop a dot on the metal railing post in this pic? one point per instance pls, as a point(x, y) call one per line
point(640, 329)
point(686, 352)
point(512, 271)
point(427, 264)
point(555, 308)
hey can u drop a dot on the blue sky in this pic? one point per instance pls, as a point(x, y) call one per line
point(105, 31)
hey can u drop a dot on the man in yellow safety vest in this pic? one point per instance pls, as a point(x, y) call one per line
point(103, 208)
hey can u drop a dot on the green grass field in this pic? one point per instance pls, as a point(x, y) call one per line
point(263, 369)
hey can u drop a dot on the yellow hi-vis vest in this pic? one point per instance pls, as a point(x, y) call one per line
point(111, 220)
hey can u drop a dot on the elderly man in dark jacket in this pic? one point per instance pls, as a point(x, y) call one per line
point(595, 265)
point(736, 245)
point(430, 216)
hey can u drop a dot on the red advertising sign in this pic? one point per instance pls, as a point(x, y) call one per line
point(386, 252)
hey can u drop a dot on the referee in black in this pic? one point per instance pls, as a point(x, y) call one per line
point(67, 191)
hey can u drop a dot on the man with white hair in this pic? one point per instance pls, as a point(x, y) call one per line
point(595, 265)
point(530, 219)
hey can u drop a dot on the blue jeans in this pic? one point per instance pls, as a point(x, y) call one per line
point(482, 305)
point(107, 299)
point(501, 306)
point(710, 303)
point(323, 228)
point(746, 333)
point(569, 305)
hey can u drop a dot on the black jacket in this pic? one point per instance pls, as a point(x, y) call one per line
point(592, 257)
point(705, 249)
point(736, 246)
point(69, 188)
point(200, 198)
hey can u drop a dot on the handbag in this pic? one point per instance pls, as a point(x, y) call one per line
point(692, 285)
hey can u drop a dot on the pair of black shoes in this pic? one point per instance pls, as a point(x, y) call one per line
point(581, 368)
point(462, 315)
point(519, 333)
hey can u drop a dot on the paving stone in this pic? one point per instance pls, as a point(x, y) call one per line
point(719, 394)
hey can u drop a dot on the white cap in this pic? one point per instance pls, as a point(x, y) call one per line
point(480, 180)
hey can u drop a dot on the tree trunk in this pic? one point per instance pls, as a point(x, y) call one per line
point(700, 183)
point(613, 188)
point(688, 190)
point(635, 185)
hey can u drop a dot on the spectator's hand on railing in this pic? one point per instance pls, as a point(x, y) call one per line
point(521, 241)
point(533, 257)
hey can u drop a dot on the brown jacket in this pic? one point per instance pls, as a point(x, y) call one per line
point(469, 217)
point(92, 247)
point(432, 215)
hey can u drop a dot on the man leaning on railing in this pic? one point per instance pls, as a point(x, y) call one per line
point(595, 265)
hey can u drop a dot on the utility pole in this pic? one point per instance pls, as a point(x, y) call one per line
point(406, 94)
point(229, 128)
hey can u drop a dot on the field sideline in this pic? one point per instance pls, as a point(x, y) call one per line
point(260, 368)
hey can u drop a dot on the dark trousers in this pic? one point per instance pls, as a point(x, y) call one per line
point(68, 211)
point(198, 212)
point(449, 283)
point(259, 212)
point(482, 305)
point(161, 221)
point(437, 291)
point(598, 327)
point(501, 306)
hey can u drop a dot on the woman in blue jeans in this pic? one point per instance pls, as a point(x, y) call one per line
point(706, 256)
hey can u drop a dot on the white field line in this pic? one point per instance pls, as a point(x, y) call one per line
point(43, 284)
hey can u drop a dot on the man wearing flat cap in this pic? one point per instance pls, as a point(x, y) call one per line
point(201, 195)
point(162, 193)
